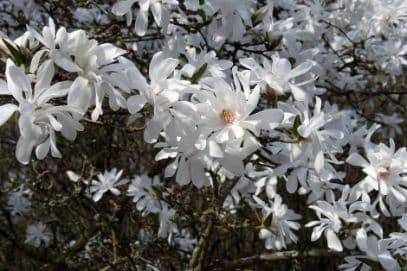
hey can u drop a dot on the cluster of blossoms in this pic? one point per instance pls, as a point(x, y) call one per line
point(243, 98)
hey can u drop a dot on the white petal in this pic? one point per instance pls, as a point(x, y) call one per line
point(6, 111)
point(333, 241)
point(136, 103)
point(387, 261)
point(141, 23)
point(298, 93)
point(357, 160)
point(319, 162)
point(183, 176)
point(122, 7)
point(42, 150)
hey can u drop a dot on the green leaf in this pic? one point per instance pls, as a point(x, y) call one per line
point(157, 191)
point(198, 74)
point(202, 14)
point(259, 15)
point(183, 58)
point(292, 61)
point(274, 42)
point(372, 264)
point(15, 54)
point(297, 123)
point(266, 221)
point(283, 98)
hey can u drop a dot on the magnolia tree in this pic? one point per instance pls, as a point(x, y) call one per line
point(203, 135)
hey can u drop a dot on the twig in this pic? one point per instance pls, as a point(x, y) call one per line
point(275, 256)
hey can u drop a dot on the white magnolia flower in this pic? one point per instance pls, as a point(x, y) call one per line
point(39, 118)
point(158, 8)
point(279, 77)
point(188, 147)
point(278, 224)
point(227, 112)
point(399, 239)
point(37, 234)
point(18, 202)
point(378, 250)
point(92, 62)
point(161, 91)
point(235, 15)
point(142, 191)
point(385, 169)
point(331, 219)
point(57, 46)
point(208, 60)
point(108, 181)
point(167, 226)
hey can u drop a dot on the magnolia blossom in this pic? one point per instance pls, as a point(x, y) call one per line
point(278, 224)
point(39, 118)
point(142, 191)
point(206, 62)
point(93, 63)
point(227, 112)
point(37, 234)
point(19, 202)
point(234, 16)
point(279, 77)
point(161, 91)
point(108, 181)
point(158, 8)
point(385, 169)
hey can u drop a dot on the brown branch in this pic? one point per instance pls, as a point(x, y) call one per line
point(275, 256)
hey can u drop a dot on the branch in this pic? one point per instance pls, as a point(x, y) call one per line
point(275, 256)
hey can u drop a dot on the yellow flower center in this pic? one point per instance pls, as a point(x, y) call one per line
point(228, 116)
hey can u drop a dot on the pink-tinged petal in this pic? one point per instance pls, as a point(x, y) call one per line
point(6, 111)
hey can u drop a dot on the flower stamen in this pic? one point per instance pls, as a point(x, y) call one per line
point(228, 116)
